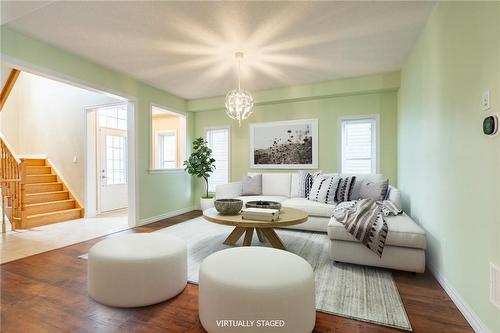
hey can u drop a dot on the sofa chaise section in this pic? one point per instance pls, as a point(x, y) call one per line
point(404, 247)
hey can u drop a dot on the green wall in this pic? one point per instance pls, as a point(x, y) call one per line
point(448, 171)
point(327, 101)
point(154, 190)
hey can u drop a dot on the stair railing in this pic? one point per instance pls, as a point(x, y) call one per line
point(11, 175)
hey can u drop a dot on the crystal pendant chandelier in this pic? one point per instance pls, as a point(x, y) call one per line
point(239, 102)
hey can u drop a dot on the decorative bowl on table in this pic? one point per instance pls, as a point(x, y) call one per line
point(263, 204)
point(228, 206)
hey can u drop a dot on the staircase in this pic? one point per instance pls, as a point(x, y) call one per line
point(32, 194)
point(46, 198)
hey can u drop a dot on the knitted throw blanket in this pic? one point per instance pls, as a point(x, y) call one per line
point(364, 219)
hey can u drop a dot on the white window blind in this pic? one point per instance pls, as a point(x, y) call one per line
point(167, 150)
point(359, 146)
point(218, 141)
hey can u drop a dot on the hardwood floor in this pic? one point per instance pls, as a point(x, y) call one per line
point(47, 292)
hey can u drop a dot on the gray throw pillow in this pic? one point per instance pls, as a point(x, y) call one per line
point(375, 190)
point(252, 185)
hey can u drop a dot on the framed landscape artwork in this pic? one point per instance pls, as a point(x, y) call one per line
point(289, 144)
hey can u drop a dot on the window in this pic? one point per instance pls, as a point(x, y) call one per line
point(359, 145)
point(168, 139)
point(218, 141)
point(167, 150)
point(113, 117)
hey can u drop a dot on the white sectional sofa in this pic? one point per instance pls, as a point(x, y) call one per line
point(405, 245)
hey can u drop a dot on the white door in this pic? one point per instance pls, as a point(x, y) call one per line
point(112, 169)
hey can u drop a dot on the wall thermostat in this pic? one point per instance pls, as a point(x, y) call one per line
point(490, 125)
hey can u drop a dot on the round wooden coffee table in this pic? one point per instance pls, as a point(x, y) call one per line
point(264, 229)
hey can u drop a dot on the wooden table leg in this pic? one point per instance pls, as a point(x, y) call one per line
point(234, 236)
point(247, 241)
point(273, 238)
point(259, 234)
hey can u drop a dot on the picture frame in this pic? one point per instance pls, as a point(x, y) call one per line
point(290, 144)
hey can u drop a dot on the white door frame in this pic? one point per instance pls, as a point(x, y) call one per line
point(92, 193)
point(91, 197)
point(90, 169)
point(132, 124)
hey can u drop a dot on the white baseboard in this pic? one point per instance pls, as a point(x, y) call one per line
point(475, 322)
point(165, 215)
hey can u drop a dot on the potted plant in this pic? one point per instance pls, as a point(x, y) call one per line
point(201, 164)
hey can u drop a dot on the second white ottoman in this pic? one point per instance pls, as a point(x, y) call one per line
point(137, 270)
point(256, 289)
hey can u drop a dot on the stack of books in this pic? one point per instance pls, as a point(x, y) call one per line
point(260, 214)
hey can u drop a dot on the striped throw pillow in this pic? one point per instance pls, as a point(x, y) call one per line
point(344, 189)
point(308, 182)
point(323, 189)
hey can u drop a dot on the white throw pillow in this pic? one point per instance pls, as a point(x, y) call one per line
point(276, 183)
point(298, 185)
point(252, 185)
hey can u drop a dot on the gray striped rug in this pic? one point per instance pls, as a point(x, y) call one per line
point(357, 292)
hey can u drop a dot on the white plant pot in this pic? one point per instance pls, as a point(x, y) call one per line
point(206, 203)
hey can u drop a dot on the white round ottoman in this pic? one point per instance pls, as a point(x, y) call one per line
point(137, 270)
point(256, 289)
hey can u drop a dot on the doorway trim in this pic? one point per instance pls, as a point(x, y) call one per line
point(132, 124)
point(91, 187)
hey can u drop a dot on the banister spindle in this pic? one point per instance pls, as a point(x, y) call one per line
point(10, 187)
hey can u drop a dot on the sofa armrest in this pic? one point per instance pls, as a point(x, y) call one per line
point(395, 197)
point(228, 191)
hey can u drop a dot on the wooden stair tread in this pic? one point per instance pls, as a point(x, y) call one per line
point(43, 187)
point(34, 161)
point(36, 184)
point(49, 206)
point(40, 179)
point(49, 202)
point(45, 193)
point(55, 213)
point(37, 220)
point(40, 197)
point(38, 170)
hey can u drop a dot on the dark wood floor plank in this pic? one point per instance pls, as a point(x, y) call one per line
point(47, 292)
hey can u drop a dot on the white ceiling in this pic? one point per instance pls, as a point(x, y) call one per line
point(11, 10)
point(187, 48)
